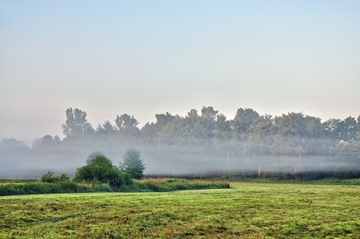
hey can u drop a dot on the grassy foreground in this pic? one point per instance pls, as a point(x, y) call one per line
point(246, 210)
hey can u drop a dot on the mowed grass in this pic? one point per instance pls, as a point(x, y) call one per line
point(246, 210)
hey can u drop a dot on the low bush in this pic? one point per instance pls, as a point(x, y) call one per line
point(50, 178)
point(101, 187)
point(42, 188)
point(99, 168)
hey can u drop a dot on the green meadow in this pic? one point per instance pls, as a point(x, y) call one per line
point(246, 210)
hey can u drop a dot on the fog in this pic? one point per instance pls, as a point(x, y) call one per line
point(224, 159)
point(289, 146)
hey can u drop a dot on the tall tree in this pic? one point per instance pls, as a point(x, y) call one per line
point(46, 142)
point(76, 125)
point(133, 164)
point(126, 121)
point(351, 129)
point(163, 119)
point(222, 141)
point(105, 128)
point(149, 133)
point(128, 133)
point(222, 129)
point(243, 122)
point(153, 130)
point(208, 118)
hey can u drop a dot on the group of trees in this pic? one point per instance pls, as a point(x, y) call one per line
point(100, 169)
point(292, 145)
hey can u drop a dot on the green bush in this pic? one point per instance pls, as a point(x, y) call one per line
point(100, 169)
point(117, 178)
point(97, 168)
point(102, 187)
point(50, 178)
point(41, 188)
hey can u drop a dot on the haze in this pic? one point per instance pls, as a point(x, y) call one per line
point(147, 57)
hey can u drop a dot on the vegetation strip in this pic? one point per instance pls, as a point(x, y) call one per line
point(162, 185)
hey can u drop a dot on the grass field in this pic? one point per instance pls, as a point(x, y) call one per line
point(246, 210)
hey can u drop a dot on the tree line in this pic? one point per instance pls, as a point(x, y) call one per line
point(290, 146)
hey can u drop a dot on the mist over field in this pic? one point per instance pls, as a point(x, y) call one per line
point(204, 144)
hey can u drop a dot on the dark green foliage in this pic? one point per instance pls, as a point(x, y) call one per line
point(99, 168)
point(133, 164)
point(117, 178)
point(347, 172)
point(42, 188)
point(50, 178)
point(101, 187)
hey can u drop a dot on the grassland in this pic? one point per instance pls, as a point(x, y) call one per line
point(246, 210)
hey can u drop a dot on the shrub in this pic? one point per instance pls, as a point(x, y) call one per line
point(97, 168)
point(117, 178)
point(102, 187)
point(41, 188)
point(100, 169)
point(50, 178)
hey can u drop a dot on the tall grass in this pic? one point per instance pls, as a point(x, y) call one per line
point(20, 187)
point(73, 187)
point(42, 188)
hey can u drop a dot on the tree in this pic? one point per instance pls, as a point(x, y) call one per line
point(128, 133)
point(243, 122)
point(208, 117)
point(105, 128)
point(13, 145)
point(133, 164)
point(149, 133)
point(222, 137)
point(350, 129)
point(126, 121)
point(76, 125)
point(47, 142)
point(163, 119)
point(222, 129)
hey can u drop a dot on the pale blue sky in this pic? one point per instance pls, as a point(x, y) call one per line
point(146, 57)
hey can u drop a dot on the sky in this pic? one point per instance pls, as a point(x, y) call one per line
point(143, 58)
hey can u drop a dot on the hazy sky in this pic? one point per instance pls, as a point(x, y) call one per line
point(146, 57)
